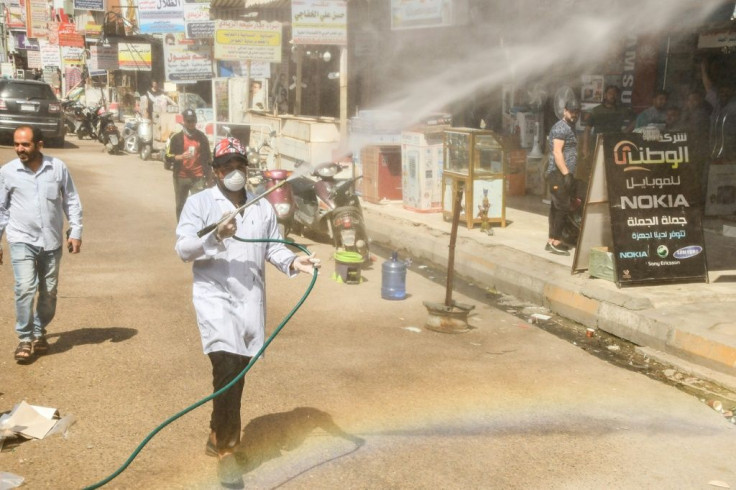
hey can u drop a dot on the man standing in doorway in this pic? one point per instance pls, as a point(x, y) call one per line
point(657, 113)
point(188, 152)
point(36, 191)
point(608, 117)
point(563, 161)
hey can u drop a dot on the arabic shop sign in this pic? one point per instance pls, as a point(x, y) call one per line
point(319, 21)
point(655, 208)
point(161, 16)
point(415, 14)
point(256, 41)
point(187, 59)
point(134, 56)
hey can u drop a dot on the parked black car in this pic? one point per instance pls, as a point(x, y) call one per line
point(31, 102)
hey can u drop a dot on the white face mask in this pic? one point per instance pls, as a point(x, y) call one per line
point(234, 181)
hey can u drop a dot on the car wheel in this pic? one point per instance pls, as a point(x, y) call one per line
point(145, 152)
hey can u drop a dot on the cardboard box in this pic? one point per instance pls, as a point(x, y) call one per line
point(601, 264)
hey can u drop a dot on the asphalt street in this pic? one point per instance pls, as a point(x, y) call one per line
point(354, 393)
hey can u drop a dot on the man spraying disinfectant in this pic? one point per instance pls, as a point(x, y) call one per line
point(229, 287)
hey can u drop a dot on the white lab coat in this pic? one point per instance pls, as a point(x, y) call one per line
point(229, 277)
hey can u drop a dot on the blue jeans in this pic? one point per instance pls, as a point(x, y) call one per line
point(36, 270)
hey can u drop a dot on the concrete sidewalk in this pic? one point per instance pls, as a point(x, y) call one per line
point(690, 325)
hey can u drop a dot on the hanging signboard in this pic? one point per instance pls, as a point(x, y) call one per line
point(97, 5)
point(655, 211)
point(416, 14)
point(157, 17)
point(34, 59)
point(103, 58)
point(201, 30)
point(258, 41)
point(134, 56)
point(50, 54)
point(319, 22)
point(68, 35)
point(71, 55)
point(14, 15)
point(187, 59)
point(22, 42)
point(37, 17)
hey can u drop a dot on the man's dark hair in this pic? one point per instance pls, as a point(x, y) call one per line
point(661, 91)
point(36, 133)
point(615, 87)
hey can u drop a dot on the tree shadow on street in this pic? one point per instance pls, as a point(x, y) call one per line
point(64, 341)
point(265, 437)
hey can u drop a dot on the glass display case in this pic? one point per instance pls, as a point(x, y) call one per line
point(476, 160)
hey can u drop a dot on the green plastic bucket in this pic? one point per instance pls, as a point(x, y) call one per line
point(347, 267)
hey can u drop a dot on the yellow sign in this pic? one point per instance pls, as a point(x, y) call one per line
point(255, 41)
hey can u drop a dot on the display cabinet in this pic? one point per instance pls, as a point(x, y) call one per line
point(475, 159)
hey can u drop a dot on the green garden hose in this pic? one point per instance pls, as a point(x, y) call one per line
point(231, 383)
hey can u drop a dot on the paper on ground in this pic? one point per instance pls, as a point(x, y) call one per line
point(29, 420)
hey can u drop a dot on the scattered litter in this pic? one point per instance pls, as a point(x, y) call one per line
point(715, 405)
point(511, 311)
point(522, 325)
point(9, 480)
point(539, 318)
point(413, 329)
point(475, 343)
point(421, 267)
point(614, 348)
point(719, 484)
point(590, 332)
point(669, 372)
point(531, 310)
point(26, 421)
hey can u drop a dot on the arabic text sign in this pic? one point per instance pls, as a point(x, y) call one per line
point(71, 55)
point(187, 60)
point(319, 21)
point(68, 36)
point(201, 30)
point(237, 40)
point(50, 54)
point(103, 58)
point(161, 16)
point(413, 14)
point(98, 5)
point(37, 16)
point(134, 56)
point(654, 198)
point(14, 15)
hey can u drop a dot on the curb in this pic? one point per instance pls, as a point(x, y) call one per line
point(539, 281)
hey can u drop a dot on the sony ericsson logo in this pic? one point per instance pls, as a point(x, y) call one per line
point(663, 251)
point(687, 252)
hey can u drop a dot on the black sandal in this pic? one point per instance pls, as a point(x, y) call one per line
point(40, 345)
point(23, 352)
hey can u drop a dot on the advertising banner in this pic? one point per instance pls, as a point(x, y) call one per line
point(258, 41)
point(71, 55)
point(50, 54)
point(22, 42)
point(415, 14)
point(134, 56)
point(201, 30)
point(34, 59)
point(37, 16)
point(319, 22)
point(187, 59)
point(68, 35)
point(103, 58)
point(14, 18)
point(157, 17)
point(656, 216)
point(98, 5)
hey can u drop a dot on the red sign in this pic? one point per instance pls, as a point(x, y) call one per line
point(68, 35)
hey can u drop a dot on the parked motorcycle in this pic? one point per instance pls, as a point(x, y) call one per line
point(78, 119)
point(330, 207)
point(109, 134)
point(282, 199)
point(138, 136)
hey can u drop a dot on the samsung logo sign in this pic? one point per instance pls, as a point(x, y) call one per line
point(687, 252)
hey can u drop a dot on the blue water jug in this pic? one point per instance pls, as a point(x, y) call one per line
point(393, 284)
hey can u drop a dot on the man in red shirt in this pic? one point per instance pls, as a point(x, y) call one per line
point(188, 152)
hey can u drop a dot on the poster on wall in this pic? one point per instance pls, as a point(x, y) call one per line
point(157, 17)
point(68, 35)
point(655, 211)
point(14, 15)
point(37, 16)
point(256, 41)
point(721, 197)
point(186, 59)
point(102, 58)
point(319, 22)
point(71, 55)
point(34, 59)
point(134, 56)
point(50, 54)
point(97, 5)
point(417, 14)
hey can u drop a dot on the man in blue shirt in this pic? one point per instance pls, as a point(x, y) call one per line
point(563, 161)
point(36, 191)
point(657, 113)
